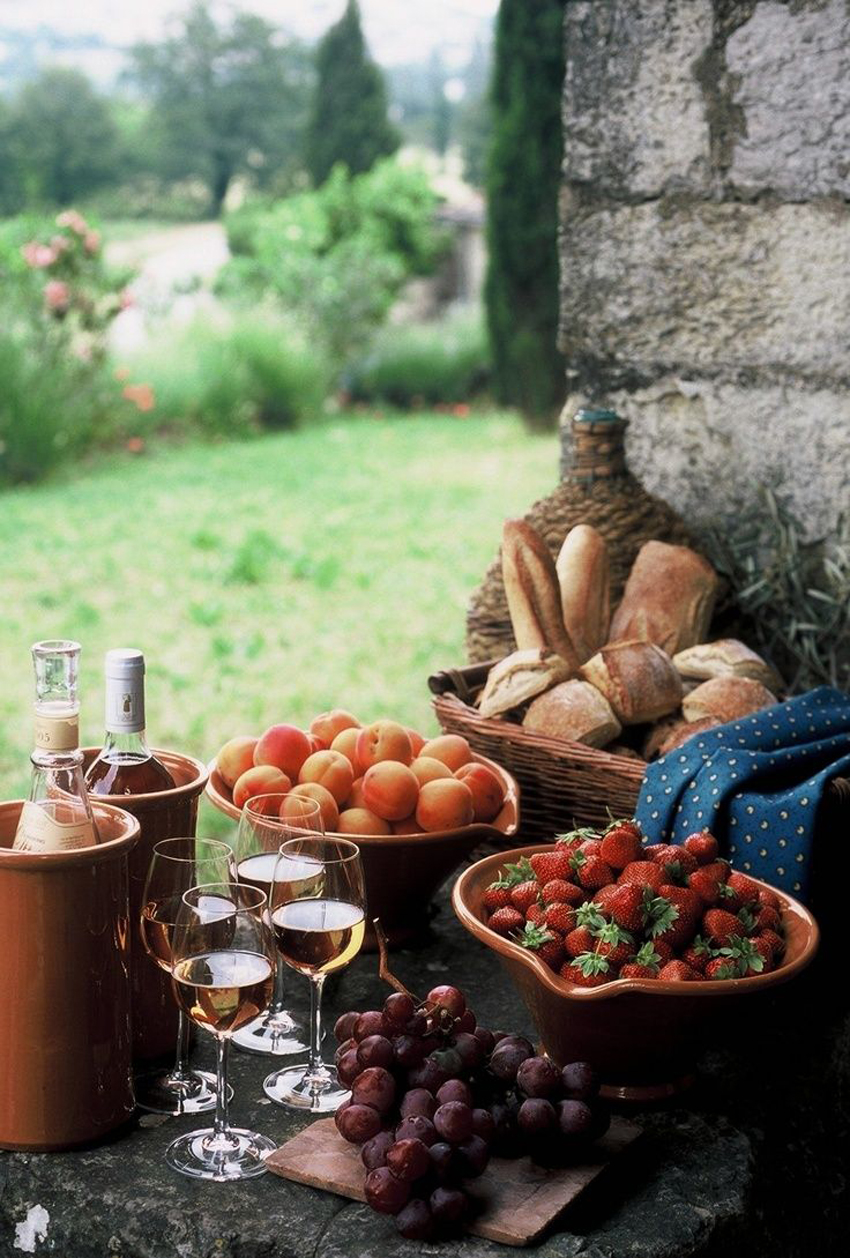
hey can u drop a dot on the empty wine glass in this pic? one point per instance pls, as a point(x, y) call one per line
point(318, 914)
point(223, 969)
point(265, 823)
point(177, 864)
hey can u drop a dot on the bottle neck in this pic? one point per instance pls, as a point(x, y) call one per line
point(593, 449)
point(125, 713)
point(125, 745)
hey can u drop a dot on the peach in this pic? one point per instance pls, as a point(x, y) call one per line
point(445, 804)
point(346, 744)
point(488, 794)
point(260, 779)
point(328, 724)
point(427, 769)
point(362, 821)
point(312, 790)
point(417, 742)
point(330, 769)
point(407, 825)
point(316, 744)
point(452, 749)
point(355, 798)
point(383, 740)
point(390, 789)
point(284, 746)
point(235, 757)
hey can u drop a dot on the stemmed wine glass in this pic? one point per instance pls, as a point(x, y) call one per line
point(177, 864)
point(223, 970)
point(318, 913)
point(265, 823)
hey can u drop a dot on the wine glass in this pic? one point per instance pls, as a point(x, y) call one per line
point(262, 829)
point(318, 914)
point(223, 970)
point(175, 865)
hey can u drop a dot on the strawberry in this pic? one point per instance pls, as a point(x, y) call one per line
point(626, 823)
point(776, 941)
point(548, 947)
point(697, 955)
point(690, 911)
point(551, 864)
point(642, 874)
point(524, 894)
point(665, 952)
point(719, 869)
point(703, 845)
point(504, 920)
point(591, 847)
point(720, 967)
point(592, 871)
point(746, 918)
point(497, 895)
point(746, 890)
point(559, 891)
point(677, 862)
point(615, 944)
point(574, 837)
point(620, 845)
point(662, 916)
point(651, 850)
point(560, 917)
point(767, 919)
point(720, 926)
point(579, 940)
point(678, 972)
point(769, 899)
point(632, 970)
point(573, 974)
point(534, 914)
point(745, 956)
point(603, 897)
point(589, 915)
point(765, 950)
point(627, 907)
point(589, 969)
point(706, 887)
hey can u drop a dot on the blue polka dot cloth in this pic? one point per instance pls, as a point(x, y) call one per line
point(756, 784)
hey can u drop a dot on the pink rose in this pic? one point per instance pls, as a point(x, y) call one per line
point(126, 299)
point(38, 255)
point(74, 220)
point(141, 395)
point(57, 296)
point(91, 242)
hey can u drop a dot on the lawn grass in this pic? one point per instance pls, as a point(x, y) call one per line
point(265, 580)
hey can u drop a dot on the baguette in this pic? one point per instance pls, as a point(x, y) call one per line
point(637, 678)
point(575, 711)
point(726, 699)
point(519, 677)
point(531, 586)
point(726, 657)
point(582, 568)
point(668, 599)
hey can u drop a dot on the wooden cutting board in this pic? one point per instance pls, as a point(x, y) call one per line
point(522, 1199)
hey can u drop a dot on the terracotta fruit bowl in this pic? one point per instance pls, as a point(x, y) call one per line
point(403, 871)
point(641, 1034)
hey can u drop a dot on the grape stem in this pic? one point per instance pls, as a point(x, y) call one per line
point(383, 963)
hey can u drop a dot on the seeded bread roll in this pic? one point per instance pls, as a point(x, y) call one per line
point(582, 568)
point(534, 599)
point(576, 711)
point(519, 677)
point(668, 599)
point(637, 678)
point(726, 699)
point(725, 658)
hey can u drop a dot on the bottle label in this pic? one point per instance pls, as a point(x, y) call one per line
point(125, 704)
point(57, 733)
point(39, 831)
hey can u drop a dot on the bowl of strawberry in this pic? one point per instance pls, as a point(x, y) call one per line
point(626, 952)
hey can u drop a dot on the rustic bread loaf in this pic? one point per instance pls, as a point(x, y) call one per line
point(668, 599)
point(726, 699)
point(637, 678)
point(576, 711)
point(672, 732)
point(518, 677)
point(726, 657)
point(534, 599)
point(582, 568)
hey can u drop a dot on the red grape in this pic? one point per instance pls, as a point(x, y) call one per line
point(449, 1062)
point(374, 1152)
point(369, 1023)
point(409, 1159)
point(447, 998)
point(448, 1205)
point(375, 1050)
point(344, 1026)
point(414, 1221)
point(454, 1090)
point(485, 1038)
point(453, 1122)
point(580, 1080)
point(344, 1047)
point(483, 1124)
point(417, 1025)
point(473, 1156)
point(398, 1009)
point(408, 1050)
point(357, 1123)
point(418, 1101)
point(348, 1067)
point(442, 1159)
point(375, 1087)
point(427, 1075)
point(518, 1039)
point(575, 1118)
point(468, 1049)
point(384, 1192)
point(416, 1127)
point(538, 1076)
point(466, 1021)
point(537, 1115)
point(506, 1060)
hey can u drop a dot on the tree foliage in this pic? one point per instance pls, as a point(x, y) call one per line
point(522, 186)
point(348, 123)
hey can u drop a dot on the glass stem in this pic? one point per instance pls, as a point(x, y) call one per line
point(315, 1063)
point(279, 982)
point(221, 1123)
point(181, 1071)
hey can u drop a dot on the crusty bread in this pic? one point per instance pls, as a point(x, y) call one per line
point(576, 711)
point(534, 599)
point(637, 678)
point(668, 599)
point(519, 677)
point(726, 699)
point(672, 732)
point(725, 658)
point(582, 568)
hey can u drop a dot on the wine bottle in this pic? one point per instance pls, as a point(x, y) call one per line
point(57, 816)
point(125, 764)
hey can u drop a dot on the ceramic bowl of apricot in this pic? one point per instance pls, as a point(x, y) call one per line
point(415, 807)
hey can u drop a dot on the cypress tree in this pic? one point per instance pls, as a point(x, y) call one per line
point(524, 165)
point(349, 121)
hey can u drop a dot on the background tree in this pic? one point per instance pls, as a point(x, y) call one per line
point(523, 175)
point(349, 121)
point(226, 100)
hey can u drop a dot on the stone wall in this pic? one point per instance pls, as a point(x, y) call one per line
point(705, 243)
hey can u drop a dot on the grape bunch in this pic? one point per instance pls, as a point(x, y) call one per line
point(433, 1095)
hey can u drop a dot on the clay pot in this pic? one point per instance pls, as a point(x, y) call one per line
point(403, 871)
point(168, 814)
point(65, 1068)
point(642, 1035)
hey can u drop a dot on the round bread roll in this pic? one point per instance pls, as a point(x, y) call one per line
point(725, 658)
point(726, 699)
point(672, 732)
point(637, 678)
point(575, 711)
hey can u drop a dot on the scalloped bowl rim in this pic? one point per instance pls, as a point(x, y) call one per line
point(700, 988)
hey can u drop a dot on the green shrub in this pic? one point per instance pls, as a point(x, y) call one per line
point(424, 363)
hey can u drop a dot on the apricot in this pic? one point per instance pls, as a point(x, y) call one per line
point(313, 790)
point(445, 804)
point(427, 769)
point(284, 746)
point(452, 749)
point(260, 779)
point(316, 744)
point(390, 789)
point(235, 757)
point(355, 798)
point(383, 740)
point(417, 742)
point(407, 825)
point(328, 724)
point(362, 821)
point(330, 769)
point(346, 744)
point(488, 794)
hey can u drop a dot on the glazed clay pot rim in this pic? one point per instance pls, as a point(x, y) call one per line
point(48, 861)
point(154, 799)
point(479, 831)
point(700, 988)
